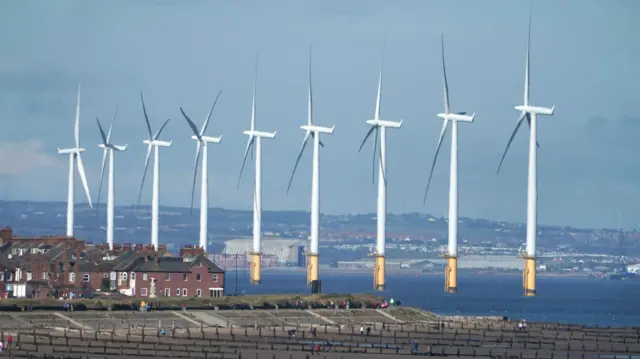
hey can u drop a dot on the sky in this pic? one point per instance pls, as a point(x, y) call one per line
point(584, 56)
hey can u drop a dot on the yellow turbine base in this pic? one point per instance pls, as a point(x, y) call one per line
point(529, 277)
point(378, 273)
point(255, 268)
point(451, 275)
point(312, 268)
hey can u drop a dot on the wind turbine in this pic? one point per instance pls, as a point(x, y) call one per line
point(530, 113)
point(451, 277)
point(379, 127)
point(313, 131)
point(108, 148)
point(153, 143)
point(201, 141)
point(74, 154)
point(255, 139)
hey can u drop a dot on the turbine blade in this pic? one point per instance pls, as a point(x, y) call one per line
point(367, 137)
point(310, 105)
point(253, 104)
point(379, 96)
point(146, 117)
point(111, 127)
point(375, 149)
point(161, 128)
point(304, 144)
point(244, 159)
point(526, 74)
point(104, 162)
point(435, 158)
point(529, 123)
point(76, 126)
point(446, 84)
point(513, 134)
point(192, 125)
point(144, 174)
point(83, 177)
point(206, 122)
point(104, 137)
point(195, 174)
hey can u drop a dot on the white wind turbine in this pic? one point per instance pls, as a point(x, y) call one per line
point(530, 113)
point(313, 131)
point(201, 141)
point(74, 154)
point(108, 148)
point(379, 127)
point(454, 118)
point(255, 138)
point(153, 143)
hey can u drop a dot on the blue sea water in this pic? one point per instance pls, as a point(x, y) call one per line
point(567, 300)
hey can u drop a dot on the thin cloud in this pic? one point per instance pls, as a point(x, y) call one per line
point(19, 158)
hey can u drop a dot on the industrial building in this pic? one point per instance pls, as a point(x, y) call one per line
point(288, 252)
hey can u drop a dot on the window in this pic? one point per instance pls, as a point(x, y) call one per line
point(133, 275)
point(199, 264)
point(143, 292)
point(29, 275)
point(198, 292)
point(1, 276)
point(9, 277)
point(45, 275)
point(167, 292)
point(86, 277)
point(167, 276)
point(145, 276)
point(178, 292)
point(105, 275)
point(185, 276)
point(215, 277)
point(72, 277)
point(123, 275)
point(199, 277)
point(184, 292)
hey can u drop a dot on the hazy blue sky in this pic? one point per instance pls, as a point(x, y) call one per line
point(181, 53)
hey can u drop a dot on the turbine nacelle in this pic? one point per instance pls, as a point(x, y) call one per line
point(318, 129)
point(456, 117)
point(254, 133)
point(158, 143)
point(381, 123)
point(113, 147)
point(67, 151)
point(537, 110)
point(207, 139)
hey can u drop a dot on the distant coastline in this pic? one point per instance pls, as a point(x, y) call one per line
point(418, 273)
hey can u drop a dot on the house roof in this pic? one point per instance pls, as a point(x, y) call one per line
point(166, 264)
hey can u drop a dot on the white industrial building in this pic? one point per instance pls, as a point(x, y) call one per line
point(286, 250)
point(634, 268)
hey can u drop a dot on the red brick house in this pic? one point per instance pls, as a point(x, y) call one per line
point(151, 275)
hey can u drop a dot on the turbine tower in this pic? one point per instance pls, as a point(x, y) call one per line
point(153, 143)
point(530, 113)
point(201, 141)
point(108, 148)
point(379, 127)
point(255, 139)
point(313, 131)
point(74, 155)
point(451, 271)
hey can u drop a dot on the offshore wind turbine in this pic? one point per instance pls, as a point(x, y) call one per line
point(108, 148)
point(74, 155)
point(255, 140)
point(530, 113)
point(451, 271)
point(313, 131)
point(379, 127)
point(201, 142)
point(153, 143)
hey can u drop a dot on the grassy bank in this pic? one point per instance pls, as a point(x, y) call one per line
point(230, 302)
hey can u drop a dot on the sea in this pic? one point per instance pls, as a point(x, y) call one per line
point(559, 299)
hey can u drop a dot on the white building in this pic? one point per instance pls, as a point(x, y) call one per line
point(634, 268)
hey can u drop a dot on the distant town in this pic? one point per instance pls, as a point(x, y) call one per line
point(414, 241)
